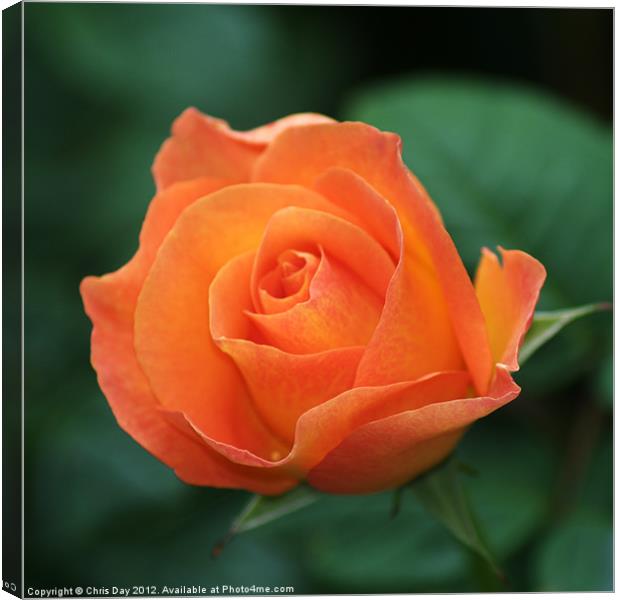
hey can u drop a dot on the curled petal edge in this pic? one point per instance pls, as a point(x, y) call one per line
point(318, 436)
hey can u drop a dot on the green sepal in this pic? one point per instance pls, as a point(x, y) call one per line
point(261, 510)
point(441, 493)
point(547, 324)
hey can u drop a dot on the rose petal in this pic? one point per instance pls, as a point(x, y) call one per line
point(350, 192)
point(324, 427)
point(415, 334)
point(213, 469)
point(283, 386)
point(266, 133)
point(201, 145)
point(110, 303)
point(396, 457)
point(186, 370)
point(404, 427)
point(301, 154)
point(306, 229)
point(341, 311)
point(294, 288)
point(164, 211)
point(391, 451)
point(508, 295)
point(205, 146)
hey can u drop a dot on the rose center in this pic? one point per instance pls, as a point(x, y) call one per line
point(288, 282)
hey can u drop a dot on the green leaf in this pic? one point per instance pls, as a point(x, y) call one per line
point(261, 510)
point(441, 493)
point(547, 324)
point(352, 544)
point(577, 556)
point(512, 492)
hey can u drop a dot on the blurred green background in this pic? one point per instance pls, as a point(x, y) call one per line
point(505, 116)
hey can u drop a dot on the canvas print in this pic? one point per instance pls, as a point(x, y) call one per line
point(316, 300)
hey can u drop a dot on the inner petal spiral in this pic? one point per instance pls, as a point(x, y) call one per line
point(332, 309)
point(288, 283)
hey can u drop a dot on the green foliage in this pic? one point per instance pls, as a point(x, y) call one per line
point(262, 510)
point(357, 543)
point(604, 383)
point(442, 495)
point(103, 505)
point(353, 544)
point(510, 496)
point(577, 556)
point(547, 324)
point(154, 62)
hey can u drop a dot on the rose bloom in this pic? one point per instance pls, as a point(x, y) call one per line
point(296, 311)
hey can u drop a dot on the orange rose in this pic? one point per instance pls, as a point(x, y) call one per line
point(297, 311)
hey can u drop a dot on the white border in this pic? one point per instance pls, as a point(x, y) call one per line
point(604, 4)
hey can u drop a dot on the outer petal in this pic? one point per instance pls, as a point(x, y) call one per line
point(187, 372)
point(163, 213)
point(266, 133)
point(389, 452)
point(201, 145)
point(282, 385)
point(508, 296)
point(110, 303)
point(322, 428)
point(301, 154)
point(415, 334)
